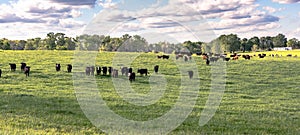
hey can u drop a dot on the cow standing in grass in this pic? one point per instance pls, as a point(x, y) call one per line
point(115, 73)
point(13, 66)
point(57, 67)
point(131, 76)
point(207, 62)
point(87, 71)
point(26, 71)
point(98, 70)
point(130, 70)
point(143, 71)
point(104, 70)
point(69, 68)
point(124, 71)
point(23, 65)
point(0, 72)
point(156, 68)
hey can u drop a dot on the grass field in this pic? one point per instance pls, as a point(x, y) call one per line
point(262, 96)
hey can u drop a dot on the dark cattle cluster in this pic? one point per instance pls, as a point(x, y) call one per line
point(246, 57)
point(163, 56)
point(262, 55)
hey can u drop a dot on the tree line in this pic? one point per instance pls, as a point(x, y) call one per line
point(136, 43)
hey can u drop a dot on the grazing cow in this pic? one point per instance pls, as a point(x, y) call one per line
point(289, 55)
point(0, 72)
point(198, 53)
point(261, 56)
point(104, 70)
point(165, 56)
point(87, 71)
point(159, 57)
point(179, 56)
point(13, 66)
point(115, 73)
point(191, 74)
point(156, 68)
point(110, 69)
point(226, 59)
point(143, 71)
point(131, 77)
point(57, 67)
point(23, 65)
point(27, 70)
point(204, 57)
point(124, 71)
point(130, 70)
point(235, 57)
point(246, 57)
point(98, 70)
point(69, 68)
point(214, 59)
point(207, 61)
point(186, 58)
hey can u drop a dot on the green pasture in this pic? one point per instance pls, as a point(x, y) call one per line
point(262, 96)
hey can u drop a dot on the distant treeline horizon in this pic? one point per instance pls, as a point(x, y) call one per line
point(136, 43)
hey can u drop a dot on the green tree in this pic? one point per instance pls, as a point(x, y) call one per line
point(279, 41)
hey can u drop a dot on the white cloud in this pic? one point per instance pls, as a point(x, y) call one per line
point(269, 9)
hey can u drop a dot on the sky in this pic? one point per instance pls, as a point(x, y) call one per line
point(155, 20)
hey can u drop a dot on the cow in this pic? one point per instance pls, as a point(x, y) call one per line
point(57, 67)
point(191, 74)
point(213, 59)
point(104, 70)
point(110, 69)
point(26, 71)
point(13, 66)
point(226, 59)
point(207, 61)
point(186, 58)
point(198, 53)
point(98, 70)
point(124, 71)
point(23, 65)
point(179, 56)
point(235, 57)
point(156, 68)
point(204, 57)
point(289, 55)
point(92, 70)
point(165, 56)
point(69, 68)
point(0, 72)
point(159, 57)
point(261, 56)
point(131, 76)
point(143, 71)
point(115, 73)
point(87, 71)
point(246, 57)
point(130, 70)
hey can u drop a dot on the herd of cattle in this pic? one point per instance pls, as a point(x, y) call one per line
point(128, 71)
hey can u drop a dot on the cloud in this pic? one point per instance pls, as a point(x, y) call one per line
point(269, 9)
point(286, 1)
point(87, 3)
point(107, 4)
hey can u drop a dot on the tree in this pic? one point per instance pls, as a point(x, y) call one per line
point(279, 41)
point(294, 43)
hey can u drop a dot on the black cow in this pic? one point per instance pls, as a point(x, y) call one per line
point(165, 56)
point(246, 57)
point(261, 56)
point(207, 61)
point(98, 70)
point(226, 59)
point(124, 71)
point(23, 65)
point(0, 72)
point(69, 68)
point(104, 70)
point(27, 70)
point(57, 67)
point(13, 66)
point(191, 74)
point(130, 70)
point(159, 57)
point(143, 71)
point(156, 68)
point(131, 77)
point(289, 55)
point(110, 69)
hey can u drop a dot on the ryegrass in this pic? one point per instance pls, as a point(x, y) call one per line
point(261, 96)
